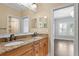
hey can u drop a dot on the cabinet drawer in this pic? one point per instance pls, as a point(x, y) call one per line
point(44, 40)
point(36, 44)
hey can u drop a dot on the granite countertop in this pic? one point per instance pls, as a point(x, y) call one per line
point(25, 41)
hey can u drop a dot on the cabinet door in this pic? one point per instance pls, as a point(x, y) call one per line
point(37, 52)
point(28, 53)
point(44, 47)
point(36, 48)
point(41, 49)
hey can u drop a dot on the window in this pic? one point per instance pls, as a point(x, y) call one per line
point(25, 25)
point(18, 25)
point(14, 25)
point(71, 28)
point(62, 28)
point(65, 26)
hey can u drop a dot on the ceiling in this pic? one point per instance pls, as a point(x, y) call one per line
point(15, 6)
point(19, 7)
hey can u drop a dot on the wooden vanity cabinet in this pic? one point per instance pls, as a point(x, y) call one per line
point(37, 48)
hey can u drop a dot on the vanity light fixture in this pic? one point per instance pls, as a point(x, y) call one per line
point(34, 5)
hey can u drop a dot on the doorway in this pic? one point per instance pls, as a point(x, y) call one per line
point(64, 31)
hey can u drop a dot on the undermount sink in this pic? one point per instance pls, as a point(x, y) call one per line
point(37, 37)
point(14, 43)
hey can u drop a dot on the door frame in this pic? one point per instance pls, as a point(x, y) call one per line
point(76, 52)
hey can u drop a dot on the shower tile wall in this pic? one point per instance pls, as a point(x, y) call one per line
point(63, 47)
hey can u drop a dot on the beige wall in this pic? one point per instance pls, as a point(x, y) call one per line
point(5, 12)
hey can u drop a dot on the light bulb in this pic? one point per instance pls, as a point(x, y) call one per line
point(34, 5)
point(45, 17)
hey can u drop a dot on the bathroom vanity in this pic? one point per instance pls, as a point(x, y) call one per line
point(35, 46)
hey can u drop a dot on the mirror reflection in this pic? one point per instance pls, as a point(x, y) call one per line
point(12, 19)
point(15, 18)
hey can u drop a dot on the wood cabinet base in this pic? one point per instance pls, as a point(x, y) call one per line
point(37, 48)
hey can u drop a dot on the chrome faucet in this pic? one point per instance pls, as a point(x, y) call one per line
point(35, 34)
point(12, 37)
